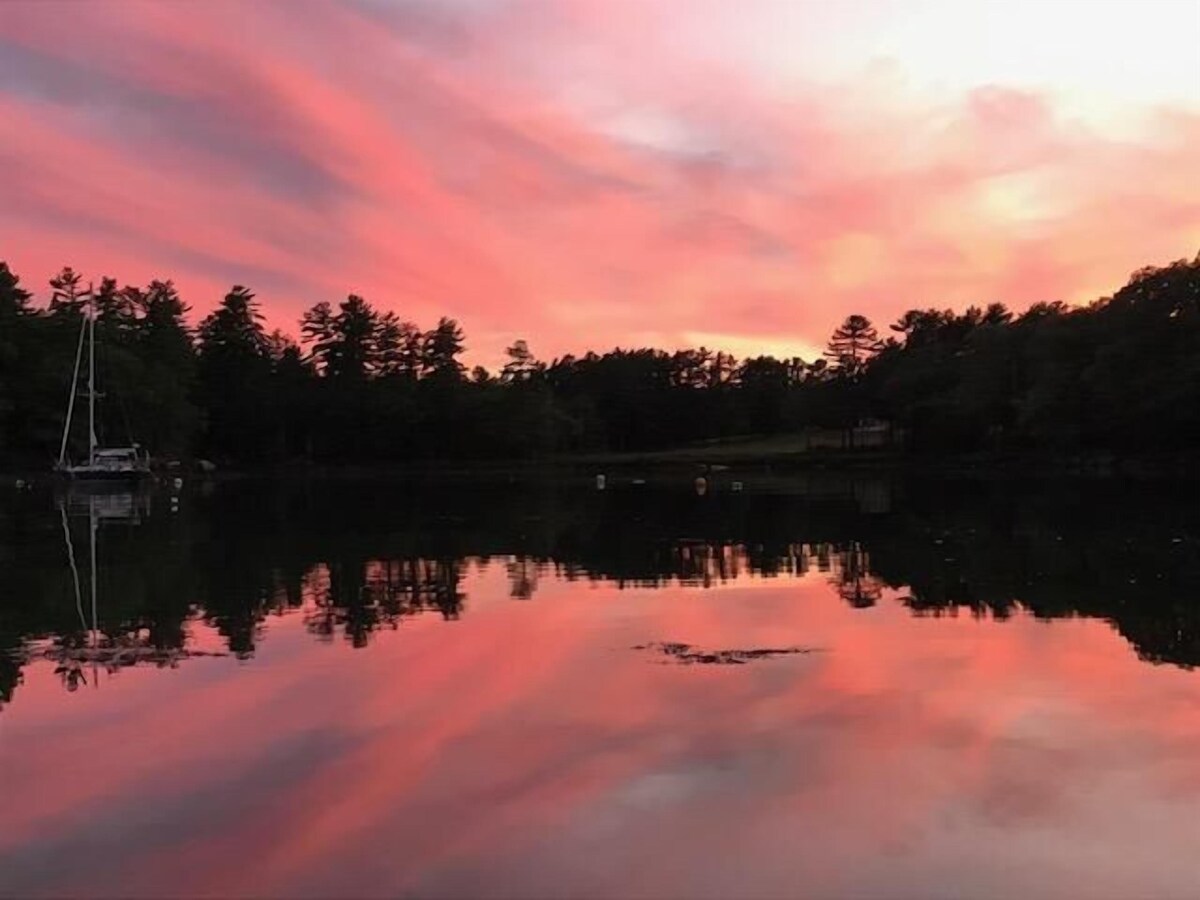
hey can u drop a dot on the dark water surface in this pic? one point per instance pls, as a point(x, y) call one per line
point(820, 688)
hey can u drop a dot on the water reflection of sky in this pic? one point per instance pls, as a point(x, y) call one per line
point(526, 750)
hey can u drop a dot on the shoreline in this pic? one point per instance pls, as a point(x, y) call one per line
point(724, 461)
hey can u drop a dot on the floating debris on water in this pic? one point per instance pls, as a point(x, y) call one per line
point(686, 654)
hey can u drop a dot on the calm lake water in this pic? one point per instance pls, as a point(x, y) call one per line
point(351, 689)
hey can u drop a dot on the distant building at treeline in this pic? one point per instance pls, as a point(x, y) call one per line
point(868, 434)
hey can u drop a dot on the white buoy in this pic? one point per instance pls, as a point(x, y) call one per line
point(178, 483)
point(600, 482)
point(701, 485)
point(20, 484)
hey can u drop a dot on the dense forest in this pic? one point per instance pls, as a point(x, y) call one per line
point(1120, 375)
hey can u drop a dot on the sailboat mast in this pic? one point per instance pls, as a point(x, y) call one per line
point(62, 450)
point(91, 377)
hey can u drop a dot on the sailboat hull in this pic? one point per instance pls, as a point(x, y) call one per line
point(86, 473)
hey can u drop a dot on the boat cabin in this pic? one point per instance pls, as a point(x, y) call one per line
point(117, 458)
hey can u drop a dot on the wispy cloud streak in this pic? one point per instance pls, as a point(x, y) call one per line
point(580, 174)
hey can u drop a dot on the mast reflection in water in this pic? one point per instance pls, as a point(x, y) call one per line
point(541, 688)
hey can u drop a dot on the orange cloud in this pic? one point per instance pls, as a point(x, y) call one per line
point(579, 176)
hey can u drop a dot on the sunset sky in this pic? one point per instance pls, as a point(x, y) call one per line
point(591, 173)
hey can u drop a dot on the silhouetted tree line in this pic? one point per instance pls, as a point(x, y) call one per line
point(1122, 375)
point(354, 558)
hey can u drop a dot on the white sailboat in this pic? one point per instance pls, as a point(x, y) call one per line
point(103, 463)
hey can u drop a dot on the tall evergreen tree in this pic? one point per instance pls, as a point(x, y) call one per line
point(852, 345)
point(522, 365)
point(161, 408)
point(442, 347)
point(344, 345)
point(233, 377)
point(68, 293)
point(16, 343)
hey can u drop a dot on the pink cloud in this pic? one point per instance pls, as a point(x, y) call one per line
point(579, 177)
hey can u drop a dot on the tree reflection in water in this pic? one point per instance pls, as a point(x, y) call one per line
point(354, 557)
point(359, 597)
